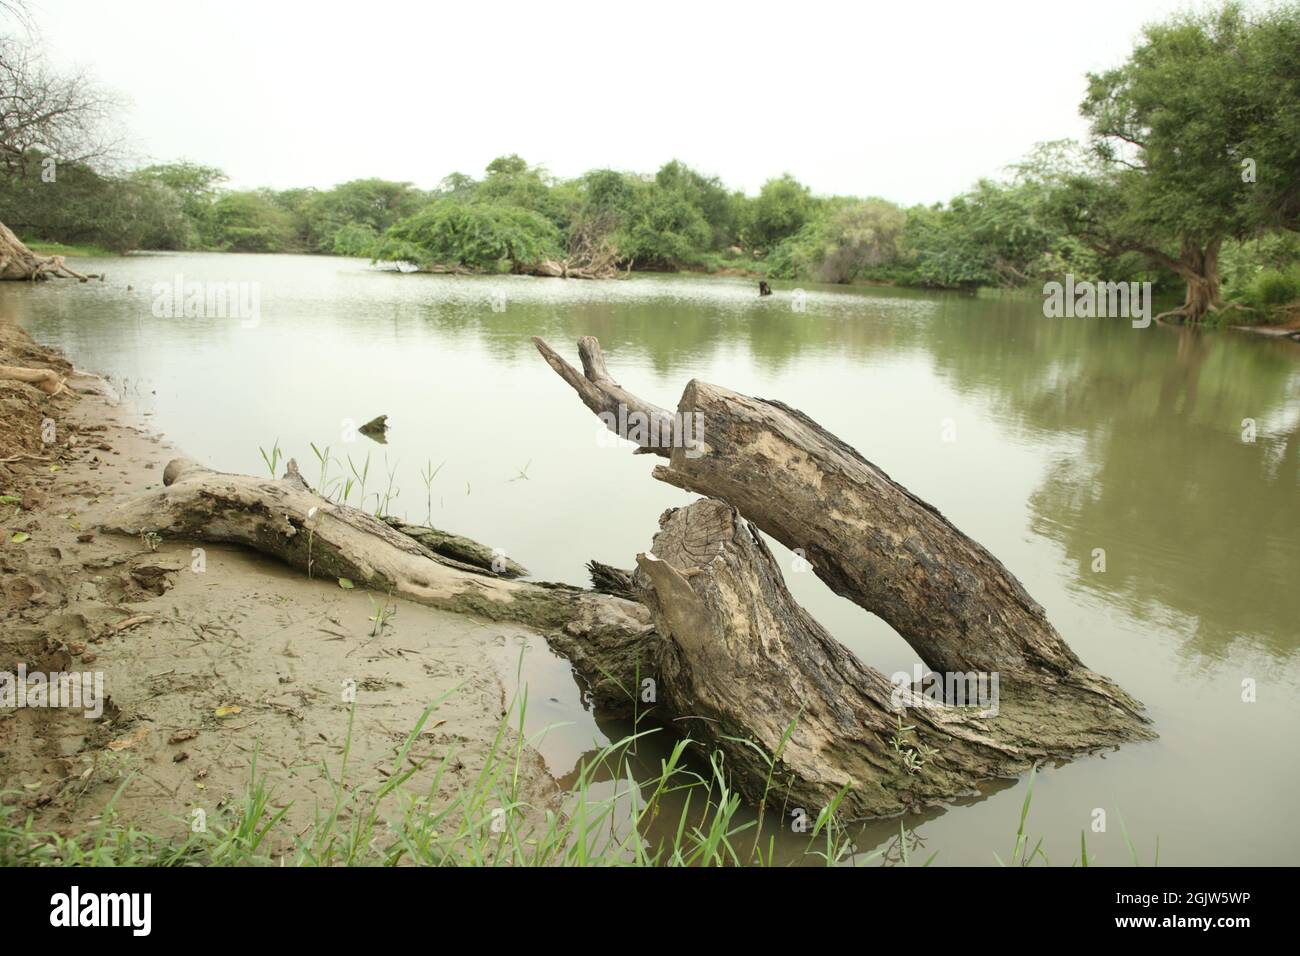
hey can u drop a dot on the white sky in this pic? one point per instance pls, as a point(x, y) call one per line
point(913, 100)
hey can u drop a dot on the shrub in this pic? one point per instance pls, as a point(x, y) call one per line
point(476, 236)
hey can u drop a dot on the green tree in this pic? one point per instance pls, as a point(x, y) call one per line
point(512, 182)
point(476, 235)
point(707, 195)
point(373, 203)
point(662, 228)
point(781, 208)
point(250, 222)
point(1200, 142)
point(848, 239)
point(195, 186)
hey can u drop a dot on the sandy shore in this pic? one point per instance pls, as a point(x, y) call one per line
point(178, 641)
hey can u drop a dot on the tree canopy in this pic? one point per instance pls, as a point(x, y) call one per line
point(1198, 142)
point(1191, 174)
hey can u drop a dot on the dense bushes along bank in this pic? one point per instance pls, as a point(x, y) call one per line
point(1191, 177)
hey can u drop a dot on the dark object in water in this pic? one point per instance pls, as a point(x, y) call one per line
point(764, 288)
point(376, 429)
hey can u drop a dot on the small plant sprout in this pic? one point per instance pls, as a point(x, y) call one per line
point(150, 539)
point(323, 458)
point(383, 613)
point(427, 474)
point(913, 756)
point(311, 536)
point(382, 503)
point(523, 472)
point(358, 479)
point(272, 458)
point(1021, 855)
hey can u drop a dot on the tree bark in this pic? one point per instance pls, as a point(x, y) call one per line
point(461, 549)
point(1198, 265)
point(870, 540)
point(744, 668)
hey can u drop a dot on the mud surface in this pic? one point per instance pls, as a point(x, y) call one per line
point(207, 657)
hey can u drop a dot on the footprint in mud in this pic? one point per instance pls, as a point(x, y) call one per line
point(69, 628)
point(24, 590)
point(137, 584)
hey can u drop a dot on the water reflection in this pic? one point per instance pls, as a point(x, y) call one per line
point(1073, 435)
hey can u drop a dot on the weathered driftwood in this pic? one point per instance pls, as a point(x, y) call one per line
point(869, 538)
point(19, 262)
point(620, 410)
point(462, 549)
point(727, 628)
point(47, 380)
point(738, 660)
point(735, 660)
point(610, 580)
point(602, 635)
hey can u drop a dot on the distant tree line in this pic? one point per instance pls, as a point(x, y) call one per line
point(1191, 176)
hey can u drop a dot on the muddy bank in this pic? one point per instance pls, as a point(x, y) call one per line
point(205, 657)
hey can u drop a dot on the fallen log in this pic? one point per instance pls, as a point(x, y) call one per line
point(736, 661)
point(47, 380)
point(603, 636)
point(19, 262)
point(866, 536)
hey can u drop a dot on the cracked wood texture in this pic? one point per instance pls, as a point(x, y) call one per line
point(736, 654)
point(739, 660)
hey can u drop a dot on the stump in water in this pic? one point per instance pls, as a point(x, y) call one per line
point(739, 659)
point(376, 429)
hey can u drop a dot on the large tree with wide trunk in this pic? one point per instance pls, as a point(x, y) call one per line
point(1199, 142)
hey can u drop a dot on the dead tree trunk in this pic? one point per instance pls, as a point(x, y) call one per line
point(740, 663)
point(604, 636)
point(19, 262)
point(871, 541)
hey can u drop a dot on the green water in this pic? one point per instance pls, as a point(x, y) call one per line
point(1070, 435)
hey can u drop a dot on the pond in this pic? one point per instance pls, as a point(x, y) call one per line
point(1044, 439)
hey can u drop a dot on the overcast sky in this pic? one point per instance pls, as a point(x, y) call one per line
point(912, 100)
